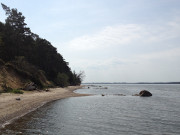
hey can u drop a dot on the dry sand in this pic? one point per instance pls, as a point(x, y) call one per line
point(11, 109)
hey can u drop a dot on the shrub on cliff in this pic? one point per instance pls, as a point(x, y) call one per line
point(17, 91)
point(7, 89)
point(62, 80)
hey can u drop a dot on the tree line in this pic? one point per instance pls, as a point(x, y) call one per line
point(18, 42)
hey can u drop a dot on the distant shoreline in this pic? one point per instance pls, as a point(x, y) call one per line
point(12, 109)
point(133, 83)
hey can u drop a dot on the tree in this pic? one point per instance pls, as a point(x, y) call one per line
point(1, 45)
point(16, 20)
point(77, 78)
point(17, 41)
point(62, 80)
point(81, 76)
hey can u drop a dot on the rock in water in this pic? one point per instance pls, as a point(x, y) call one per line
point(145, 93)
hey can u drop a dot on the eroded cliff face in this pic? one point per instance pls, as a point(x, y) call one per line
point(18, 79)
point(11, 79)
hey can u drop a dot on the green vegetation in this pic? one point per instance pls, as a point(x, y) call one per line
point(30, 56)
point(16, 91)
point(7, 89)
point(62, 80)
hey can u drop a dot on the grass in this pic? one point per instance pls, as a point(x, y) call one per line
point(7, 89)
point(17, 91)
point(10, 90)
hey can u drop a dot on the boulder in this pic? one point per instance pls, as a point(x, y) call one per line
point(145, 93)
point(30, 86)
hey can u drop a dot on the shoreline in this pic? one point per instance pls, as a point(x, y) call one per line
point(12, 109)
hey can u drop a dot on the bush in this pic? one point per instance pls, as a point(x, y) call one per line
point(7, 89)
point(62, 80)
point(16, 91)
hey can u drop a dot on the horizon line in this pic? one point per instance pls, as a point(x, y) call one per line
point(131, 82)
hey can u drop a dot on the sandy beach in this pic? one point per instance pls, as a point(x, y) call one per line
point(11, 109)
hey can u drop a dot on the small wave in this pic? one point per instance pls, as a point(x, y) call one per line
point(15, 118)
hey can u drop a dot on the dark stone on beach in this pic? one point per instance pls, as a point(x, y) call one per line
point(102, 95)
point(18, 98)
point(145, 93)
point(47, 90)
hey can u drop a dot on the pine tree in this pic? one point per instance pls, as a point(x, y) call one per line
point(16, 20)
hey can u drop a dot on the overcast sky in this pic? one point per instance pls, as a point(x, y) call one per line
point(110, 40)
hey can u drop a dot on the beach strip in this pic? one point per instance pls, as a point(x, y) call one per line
point(11, 108)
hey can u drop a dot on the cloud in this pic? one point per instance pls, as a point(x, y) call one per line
point(109, 36)
point(163, 55)
point(128, 52)
point(126, 34)
point(117, 62)
point(154, 66)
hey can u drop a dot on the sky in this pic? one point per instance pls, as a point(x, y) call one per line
point(110, 40)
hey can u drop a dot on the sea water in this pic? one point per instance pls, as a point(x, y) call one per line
point(110, 114)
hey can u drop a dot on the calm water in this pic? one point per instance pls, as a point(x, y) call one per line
point(106, 115)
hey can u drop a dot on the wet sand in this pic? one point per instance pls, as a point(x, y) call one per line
point(11, 109)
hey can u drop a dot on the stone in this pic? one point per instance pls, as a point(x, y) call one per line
point(145, 93)
point(47, 90)
point(18, 98)
point(30, 86)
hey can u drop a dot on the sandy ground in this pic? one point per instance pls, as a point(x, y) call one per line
point(10, 108)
